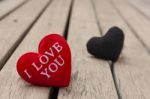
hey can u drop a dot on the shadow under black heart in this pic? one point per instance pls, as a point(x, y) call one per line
point(107, 47)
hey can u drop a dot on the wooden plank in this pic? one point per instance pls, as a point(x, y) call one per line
point(18, 23)
point(91, 78)
point(11, 85)
point(142, 5)
point(136, 21)
point(7, 6)
point(132, 70)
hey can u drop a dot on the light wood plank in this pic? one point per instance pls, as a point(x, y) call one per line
point(14, 27)
point(132, 69)
point(91, 78)
point(139, 23)
point(7, 6)
point(142, 5)
point(11, 85)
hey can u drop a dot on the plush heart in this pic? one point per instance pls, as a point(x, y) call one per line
point(51, 66)
point(107, 47)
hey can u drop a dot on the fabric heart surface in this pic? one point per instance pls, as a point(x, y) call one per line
point(51, 66)
point(107, 47)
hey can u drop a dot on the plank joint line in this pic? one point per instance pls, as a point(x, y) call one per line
point(138, 10)
point(14, 9)
point(130, 27)
point(13, 48)
point(54, 91)
point(96, 17)
point(68, 21)
point(112, 66)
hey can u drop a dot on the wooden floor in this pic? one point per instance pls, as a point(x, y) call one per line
point(23, 23)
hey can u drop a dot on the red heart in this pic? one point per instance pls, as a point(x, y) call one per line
point(51, 66)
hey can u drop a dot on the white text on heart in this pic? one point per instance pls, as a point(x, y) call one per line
point(45, 58)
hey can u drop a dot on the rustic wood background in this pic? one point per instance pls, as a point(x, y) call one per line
point(23, 23)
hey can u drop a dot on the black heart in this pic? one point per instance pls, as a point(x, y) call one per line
point(107, 47)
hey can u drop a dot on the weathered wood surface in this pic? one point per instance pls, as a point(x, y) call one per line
point(143, 6)
point(91, 78)
point(11, 85)
point(136, 20)
point(7, 6)
point(14, 27)
point(132, 71)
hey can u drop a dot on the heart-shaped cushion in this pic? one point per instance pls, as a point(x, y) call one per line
point(51, 66)
point(107, 47)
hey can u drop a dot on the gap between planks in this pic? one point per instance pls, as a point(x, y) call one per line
point(139, 32)
point(110, 63)
point(10, 8)
point(47, 23)
point(131, 71)
point(86, 83)
point(146, 15)
point(141, 8)
point(54, 91)
point(13, 47)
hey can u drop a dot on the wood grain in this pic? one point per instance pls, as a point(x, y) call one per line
point(132, 69)
point(136, 21)
point(52, 20)
point(7, 6)
point(91, 77)
point(14, 27)
point(143, 6)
